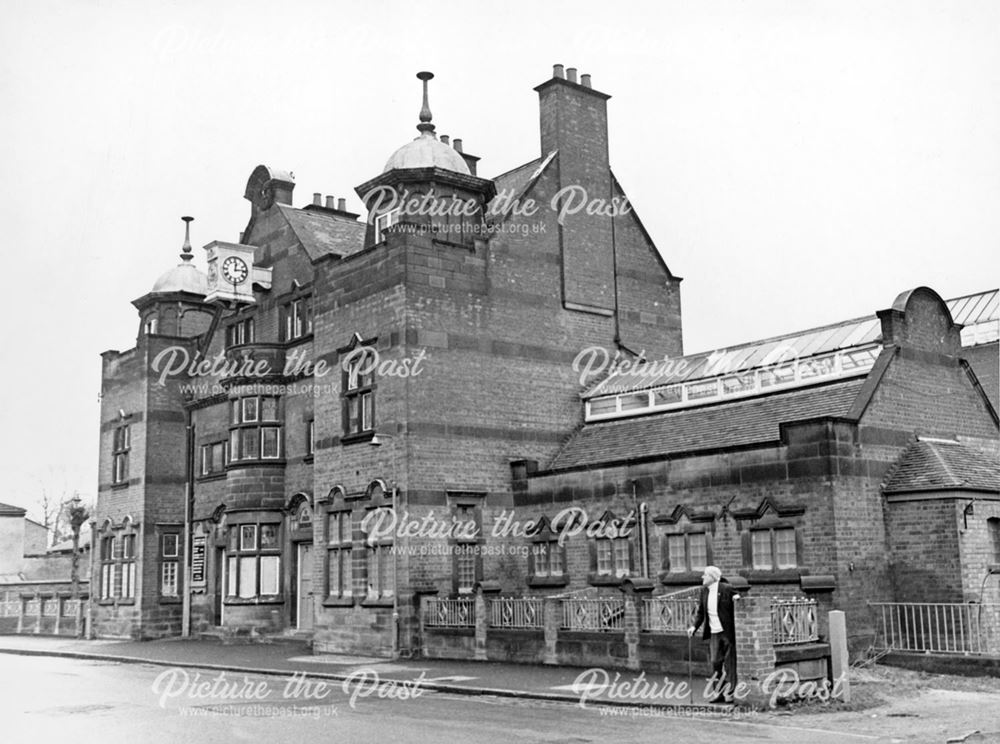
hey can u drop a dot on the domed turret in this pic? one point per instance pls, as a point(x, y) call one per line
point(184, 277)
point(426, 151)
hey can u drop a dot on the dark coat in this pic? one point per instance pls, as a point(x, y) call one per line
point(726, 594)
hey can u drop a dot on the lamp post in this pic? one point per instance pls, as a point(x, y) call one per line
point(376, 442)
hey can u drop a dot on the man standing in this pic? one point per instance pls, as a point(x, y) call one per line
point(715, 610)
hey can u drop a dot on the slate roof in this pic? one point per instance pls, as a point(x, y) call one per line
point(938, 465)
point(323, 234)
point(514, 184)
point(730, 424)
point(6, 510)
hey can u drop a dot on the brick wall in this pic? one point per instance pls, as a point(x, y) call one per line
point(926, 565)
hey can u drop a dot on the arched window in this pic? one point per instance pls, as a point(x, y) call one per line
point(993, 527)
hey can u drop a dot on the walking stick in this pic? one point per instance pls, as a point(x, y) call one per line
point(690, 688)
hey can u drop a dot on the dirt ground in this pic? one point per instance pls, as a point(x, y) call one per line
point(900, 705)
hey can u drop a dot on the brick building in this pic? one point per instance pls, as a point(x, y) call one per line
point(428, 357)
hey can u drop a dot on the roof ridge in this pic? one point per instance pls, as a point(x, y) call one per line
point(944, 464)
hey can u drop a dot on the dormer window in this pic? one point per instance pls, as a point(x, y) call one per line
point(385, 221)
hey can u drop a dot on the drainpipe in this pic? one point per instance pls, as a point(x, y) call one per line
point(641, 510)
point(95, 541)
point(644, 538)
point(188, 504)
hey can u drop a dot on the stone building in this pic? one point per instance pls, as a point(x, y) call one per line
point(428, 356)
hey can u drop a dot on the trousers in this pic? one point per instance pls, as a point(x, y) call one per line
point(722, 655)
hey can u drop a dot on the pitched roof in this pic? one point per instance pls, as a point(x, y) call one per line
point(730, 424)
point(978, 312)
point(323, 234)
point(6, 510)
point(936, 465)
point(513, 185)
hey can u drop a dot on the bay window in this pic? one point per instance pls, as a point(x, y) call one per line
point(255, 429)
point(253, 561)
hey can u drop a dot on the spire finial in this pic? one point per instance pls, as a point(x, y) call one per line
point(186, 248)
point(425, 111)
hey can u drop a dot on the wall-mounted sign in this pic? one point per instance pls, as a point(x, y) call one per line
point(198, 561)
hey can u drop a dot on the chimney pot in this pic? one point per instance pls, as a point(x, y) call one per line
point(585, 81)
point(342, 205)
point(446, 139)
point(330, 202)
point(317, 198)
point(571, 74)
point(557, 72)
point(458, 145)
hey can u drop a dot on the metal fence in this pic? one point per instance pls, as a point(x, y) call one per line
point(668, 614)
point(517, 612)
point(793, 621)
point(936, 628)
point(593, 614)
point(449, 613)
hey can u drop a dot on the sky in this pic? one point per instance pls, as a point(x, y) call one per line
point(796, 162)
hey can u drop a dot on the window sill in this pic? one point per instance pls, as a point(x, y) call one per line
point(290, 342)
point(605, 579)
point(680, 578)
point(113, 601)
point(338, 602)
point(118, 486)
point(542, 581)
point(778, 576)
point(170, 600)
point(276, 462)
point(377, 602)
point(308, 459)
point(269, 600)
point(361, 436)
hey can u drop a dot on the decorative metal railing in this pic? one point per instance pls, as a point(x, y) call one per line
point(937, 628)
point(604, 613)
point(449, 613)
point(793, 621)
point(667, 614)
point(517, 612)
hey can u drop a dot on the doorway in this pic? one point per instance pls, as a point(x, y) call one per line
point(304, 571)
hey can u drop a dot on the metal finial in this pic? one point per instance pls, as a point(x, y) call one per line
point(425, 110)
point(186, 248)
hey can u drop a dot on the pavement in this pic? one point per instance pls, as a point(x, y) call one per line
point(287, 657)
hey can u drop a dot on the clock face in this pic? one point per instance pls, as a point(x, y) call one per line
point(234, 270)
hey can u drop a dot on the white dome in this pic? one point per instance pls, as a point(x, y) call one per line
point(182, 278)
point(426, 151)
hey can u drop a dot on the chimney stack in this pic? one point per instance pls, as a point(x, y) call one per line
point(574, 122)
point(445, 139)
point(557, 72)
point(317, 199)
point(585, 81)
point(330, 202)
point(458, 145)
point(342, 205)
